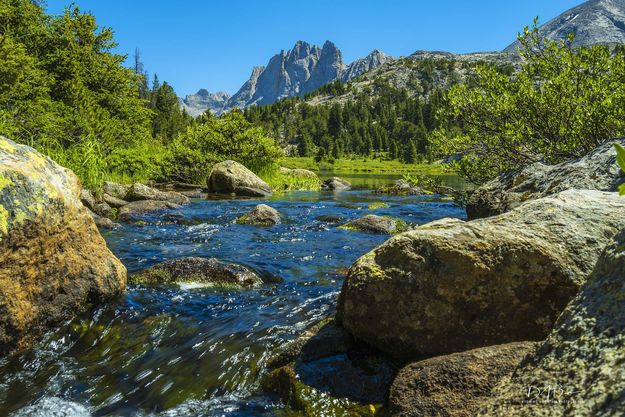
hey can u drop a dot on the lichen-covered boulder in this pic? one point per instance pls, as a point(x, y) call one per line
point(261, 215)
point(596, 171)
point(138, 210)
point(455, 385)
point(336, 184)
point(379, 225)
point(53, 261)
point(578, 370)
point(450, 285)
point(209, 271)
point(230, 177)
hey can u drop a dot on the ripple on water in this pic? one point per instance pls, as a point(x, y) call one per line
point(187, 351)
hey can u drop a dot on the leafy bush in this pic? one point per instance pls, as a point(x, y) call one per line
point(217, 139)
point(562, 103)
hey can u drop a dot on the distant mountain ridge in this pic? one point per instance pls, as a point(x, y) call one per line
point(593, 22)
point(295, 72)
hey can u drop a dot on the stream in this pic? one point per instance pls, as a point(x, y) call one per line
point(183, 351)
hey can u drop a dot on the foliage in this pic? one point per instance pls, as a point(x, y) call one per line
point(218, 139)
point(280, 182)
point(561, 104)
point(620, 159)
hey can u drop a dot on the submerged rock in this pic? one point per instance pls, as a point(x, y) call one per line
point(137, 210)
point(336, 183)
point(53, 261)
point(454, 385)
point(198, 270)
point(325, 372)
point(580, 365)
point(450, 285)
point(261, 215)
point(230, 177)
point(380, 225)
point(596, 171)
point(329, 218)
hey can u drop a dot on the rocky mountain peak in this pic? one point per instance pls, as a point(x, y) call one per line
point(594, 21)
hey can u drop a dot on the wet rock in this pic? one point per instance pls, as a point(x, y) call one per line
point(198, 270)
point(325, 373)
point(580, 365)
point(450, 285)
point(141, 192)
point(455, 385)
point(53, 261)
point(136, 210)
point(230, 177)
point(596, 171)
point(329, 218)
point(115, 190)
point(113, 201)
point(336, 184)
point(103, 222)
point(261, 215)
point(380, 225)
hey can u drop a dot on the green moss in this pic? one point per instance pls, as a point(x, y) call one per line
point(400, 225)
point(154, 276)
point(377, 205)
point(4, 220)
point(5, 182)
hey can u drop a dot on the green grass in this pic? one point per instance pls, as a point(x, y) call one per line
point(289, 182)
point(364, 165)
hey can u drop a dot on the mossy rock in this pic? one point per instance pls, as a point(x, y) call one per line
point(377, 205)
point(381, 225)
point(207, 271)
point(261, 215)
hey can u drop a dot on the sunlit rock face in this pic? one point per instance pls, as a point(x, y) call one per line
point(53, 261)
point(595, 21)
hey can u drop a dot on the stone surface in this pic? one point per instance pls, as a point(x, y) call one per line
point(103, 222)
point(87, 199)
point(200, 102)
point(53, 261)
point(115, 190)
point(336, 183)
point(595, 21)
point(137, 210)
point(376, 224)
point(303, 69)
point(230, 177)
point(198, 270)
point(596, 171)
point(113, 201)
point(450, 285)
point(261, 215)
point(455, 385)
point(140, 192)
point(580, 365)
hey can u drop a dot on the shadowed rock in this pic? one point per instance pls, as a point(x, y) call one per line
point(136, 210)
point(336, 184)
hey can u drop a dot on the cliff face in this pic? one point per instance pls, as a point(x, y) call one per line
point(296, 72)
point(595, 21)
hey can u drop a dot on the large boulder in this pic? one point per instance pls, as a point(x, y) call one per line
point(455, 385)
point(230, 177)
point(596, 171)
point(336, 184)
point(379, 225)
point(261, 215)
point(450, 285)
point(208, 271)
point(578, 370)
point(53, 261)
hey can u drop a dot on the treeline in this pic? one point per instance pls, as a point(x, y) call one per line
point(380, 121)
point(66, 93)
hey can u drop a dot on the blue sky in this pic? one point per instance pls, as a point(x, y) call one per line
point(214, 44)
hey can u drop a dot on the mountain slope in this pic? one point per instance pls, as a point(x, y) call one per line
point(595, 21)
point(198, 103)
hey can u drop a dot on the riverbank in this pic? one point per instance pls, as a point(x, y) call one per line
point(365, 165)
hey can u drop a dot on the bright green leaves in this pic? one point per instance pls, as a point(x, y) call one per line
point(620, 159)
